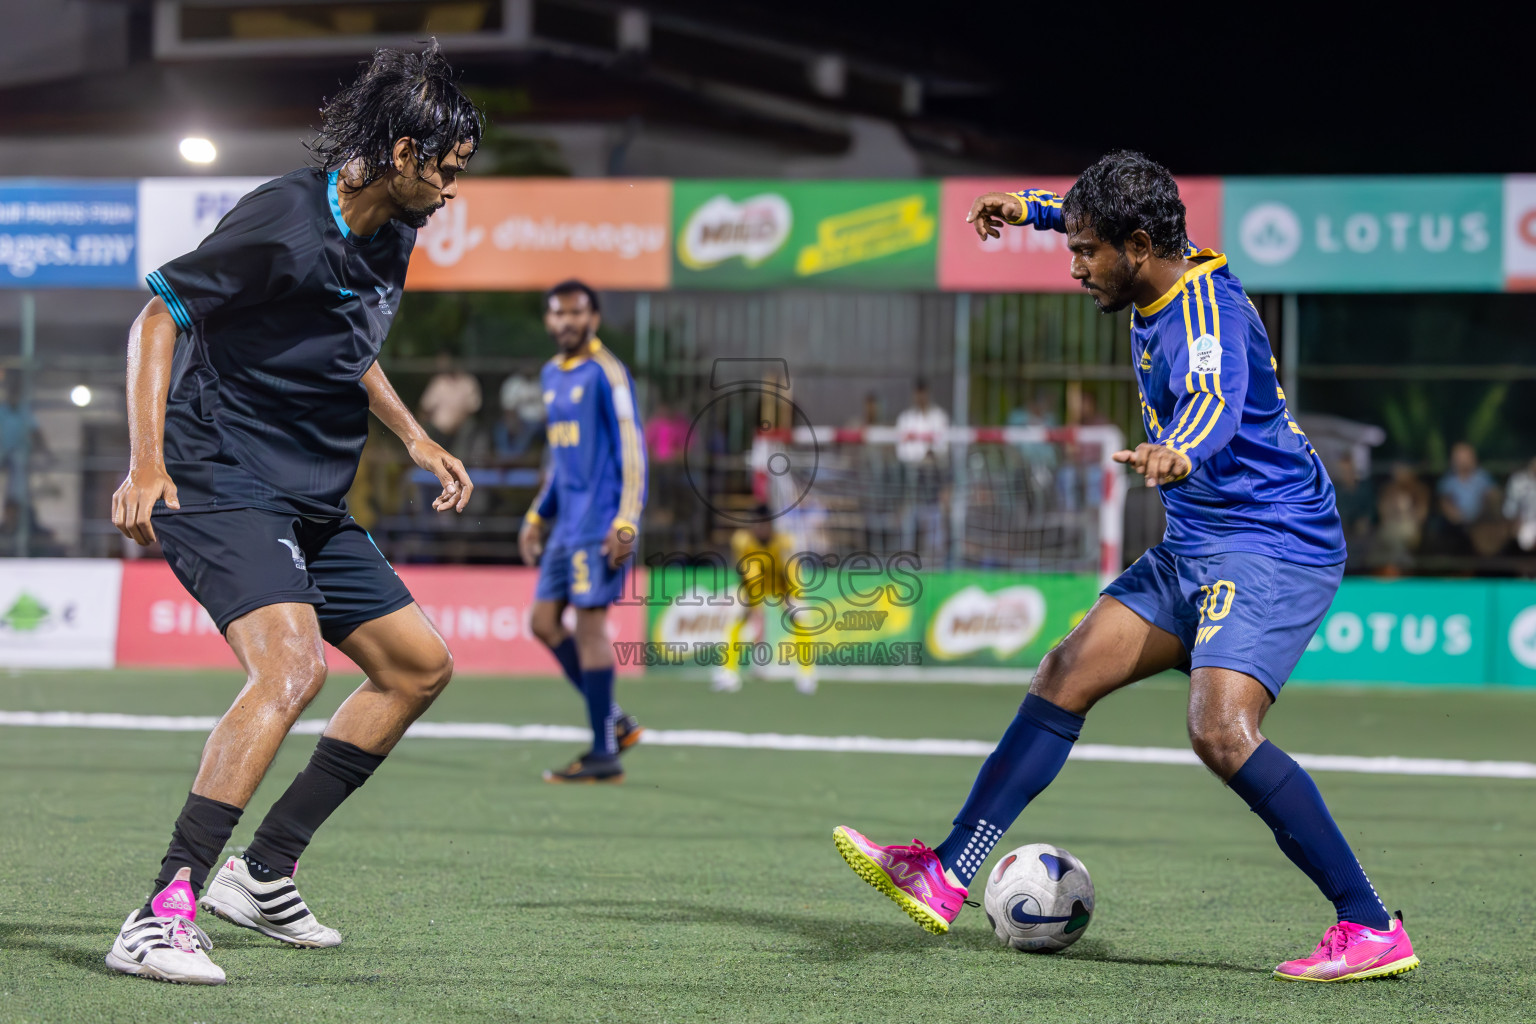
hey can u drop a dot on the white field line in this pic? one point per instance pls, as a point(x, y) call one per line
point(783, 741)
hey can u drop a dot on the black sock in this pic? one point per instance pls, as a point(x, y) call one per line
point(335, 769)
point(202, 829)
point(259, 869)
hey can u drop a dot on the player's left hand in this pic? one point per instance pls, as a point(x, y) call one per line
point(450, 472)
point(619, 544)
point(1158, 463)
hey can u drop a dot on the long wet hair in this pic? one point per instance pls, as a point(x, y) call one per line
point(400, 95)
point(1126, 191)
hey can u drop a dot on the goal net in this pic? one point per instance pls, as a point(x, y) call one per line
point(1023, 499)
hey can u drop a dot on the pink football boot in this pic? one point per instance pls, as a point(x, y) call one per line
point(910, 875)
point(1353, 952)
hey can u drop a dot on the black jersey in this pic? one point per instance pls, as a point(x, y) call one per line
point(284, 310)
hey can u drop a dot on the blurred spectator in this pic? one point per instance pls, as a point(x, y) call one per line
point(449, 403)
point(1469, 505)
point(1357, 509)
point(1088, 411)
point(20, 437)
point(1466, 491)
point(923, 449)
point(1040, 456)
point(1401, 512)
point(922, 428)
point(870, 416)
point(666, 434)
point(1520, 505)
point(522, 418)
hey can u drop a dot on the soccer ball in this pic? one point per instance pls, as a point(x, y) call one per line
point(1039, 898)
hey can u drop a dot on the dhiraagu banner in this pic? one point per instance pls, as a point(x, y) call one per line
point(1357, 234)
point(765, 234)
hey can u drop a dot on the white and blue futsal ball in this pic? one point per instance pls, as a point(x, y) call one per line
point(1039, 898)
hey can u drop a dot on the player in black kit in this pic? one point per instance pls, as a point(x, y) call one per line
point(263, 408)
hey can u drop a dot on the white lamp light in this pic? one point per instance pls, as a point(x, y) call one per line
point(80, 395)
point(197, 150)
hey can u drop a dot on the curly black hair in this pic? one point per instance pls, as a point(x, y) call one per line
point(399, 95)
point(1125, 192)
point(572, 286)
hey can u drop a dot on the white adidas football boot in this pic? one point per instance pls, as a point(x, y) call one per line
point(167, 946)
point(273, 908)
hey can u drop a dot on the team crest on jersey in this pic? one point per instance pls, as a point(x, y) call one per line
point(577, 392)
point(1205, 355)
point(383, 291)
point(1146, 359)
point(549, 396)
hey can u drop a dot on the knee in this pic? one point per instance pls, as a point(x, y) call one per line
point(547, 628)
point(1053, 679)
point(430, 678)
point(291, 685)
point(1222, 745)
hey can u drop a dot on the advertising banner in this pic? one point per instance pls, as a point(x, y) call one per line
point(1001, 619)
point(1026, 260)
point(1520, 233)
point(58, 612)
point(176, 214)
point(510, 234)
point(946, 619)
point(1404, 631)
point(1366, 234)
point(482, 613)
point(68, 235)
point(834, 234)
point(1512, 637)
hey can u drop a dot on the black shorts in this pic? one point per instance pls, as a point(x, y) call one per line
point(238, 560)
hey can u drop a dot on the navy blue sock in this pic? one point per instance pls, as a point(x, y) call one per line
point(1281, 793)
point(570, 663)
point(597, 684)
point(1027, 758)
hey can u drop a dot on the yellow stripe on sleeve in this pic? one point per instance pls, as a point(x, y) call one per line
point(631, 455)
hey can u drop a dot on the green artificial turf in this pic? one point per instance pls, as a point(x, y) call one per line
point(706, 888)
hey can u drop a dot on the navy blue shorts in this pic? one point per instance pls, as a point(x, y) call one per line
point(1237, 610)
point(238, 560)
point(580, 576)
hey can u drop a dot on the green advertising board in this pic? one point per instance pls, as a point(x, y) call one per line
point(769, 234)
point(938, 619)
point(999, 619)
point(1403, 631)
point(1350, 234)
point(1513, 636)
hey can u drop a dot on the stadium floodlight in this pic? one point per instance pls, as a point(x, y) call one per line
point(197, 150)
point(80, 395)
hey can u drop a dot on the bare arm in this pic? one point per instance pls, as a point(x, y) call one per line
point(384, 403)
point(151, 344)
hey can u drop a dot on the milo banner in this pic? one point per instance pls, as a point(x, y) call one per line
point(836, 234)
point(873, 615)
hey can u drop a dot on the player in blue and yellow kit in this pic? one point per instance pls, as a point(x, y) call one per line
point(1252, 557)
point(582, 527)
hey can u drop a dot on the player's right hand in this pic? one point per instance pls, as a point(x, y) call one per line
point(530, 542)
point(134, 501)
point(991, 211)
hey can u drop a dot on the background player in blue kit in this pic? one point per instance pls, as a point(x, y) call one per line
point(1252, 557)
point(582, 527)
point(245, 438)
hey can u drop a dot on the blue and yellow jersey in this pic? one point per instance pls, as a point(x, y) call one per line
point(1208, 389)
point(763, 567)
point(596, 478)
